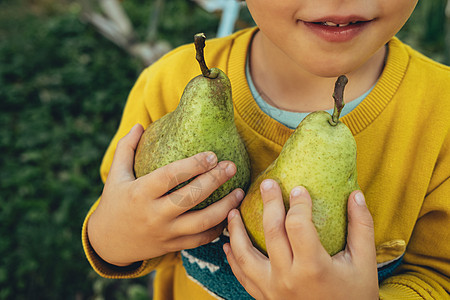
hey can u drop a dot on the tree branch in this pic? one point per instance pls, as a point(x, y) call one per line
point(114, 24)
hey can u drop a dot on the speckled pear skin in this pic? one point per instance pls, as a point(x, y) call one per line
point(202, 121)
point(322, 158)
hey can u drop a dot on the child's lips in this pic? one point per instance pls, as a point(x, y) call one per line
point(337, 29)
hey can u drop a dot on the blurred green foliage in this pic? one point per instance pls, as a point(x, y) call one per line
point(62, 91)
point(428, 30)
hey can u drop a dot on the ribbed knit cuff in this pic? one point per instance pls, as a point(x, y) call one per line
point(246, 107)
point(388, 83)
point(402, 291)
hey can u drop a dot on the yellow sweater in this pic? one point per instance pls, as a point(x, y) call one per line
point(403, 138)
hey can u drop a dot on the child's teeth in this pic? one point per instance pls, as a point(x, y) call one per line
point(334, 24)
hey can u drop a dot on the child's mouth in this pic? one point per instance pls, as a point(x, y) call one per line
point(337, 31)
point(328, 23)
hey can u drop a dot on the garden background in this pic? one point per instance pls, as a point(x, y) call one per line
point(62, 90)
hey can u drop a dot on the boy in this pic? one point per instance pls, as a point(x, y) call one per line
point(399, 111)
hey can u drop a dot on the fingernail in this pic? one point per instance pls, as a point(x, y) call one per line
point(226, 248)
point(298, 191)
point(359, 199)
point(134, 127)
point(267, 185)
point(295, 192)
point(211, 159)
point(230, 170)
point(239, 195)
point(232, 214)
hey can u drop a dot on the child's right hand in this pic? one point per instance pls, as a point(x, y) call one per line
point(135, 219)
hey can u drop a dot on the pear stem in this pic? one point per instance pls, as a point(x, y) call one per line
point(199, 41)
point(338, 96)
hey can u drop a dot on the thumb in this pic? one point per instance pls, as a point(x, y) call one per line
point(122, 165)
point(361, 237)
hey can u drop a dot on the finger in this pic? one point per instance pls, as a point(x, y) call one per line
point(201, 220)
point(248, 284)
point(198, 189)
point(251, 260)
point(361, 238)
point(122, 165)
point(250, 265)
point(195, 240)
point(274, 214)
point(169, 176)
point(302, 233)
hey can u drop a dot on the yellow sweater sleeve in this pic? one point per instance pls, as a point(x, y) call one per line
point(135, 111)
point(134, 107)
point(423, 274)
point(425, 271)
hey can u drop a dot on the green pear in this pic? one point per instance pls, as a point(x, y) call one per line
point(202, 121)
point(321, 156)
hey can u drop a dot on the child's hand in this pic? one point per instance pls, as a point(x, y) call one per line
point(298, 266)
point(136, 220)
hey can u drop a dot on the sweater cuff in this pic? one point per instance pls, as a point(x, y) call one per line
point(399, 288)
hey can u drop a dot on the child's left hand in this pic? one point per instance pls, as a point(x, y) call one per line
point(298, 266)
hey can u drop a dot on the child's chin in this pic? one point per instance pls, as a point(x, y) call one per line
point(327, 72)
point(333, 67)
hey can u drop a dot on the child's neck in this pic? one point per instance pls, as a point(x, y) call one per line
point(280, 86)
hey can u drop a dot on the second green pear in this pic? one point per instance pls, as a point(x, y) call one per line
point(321, 156)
